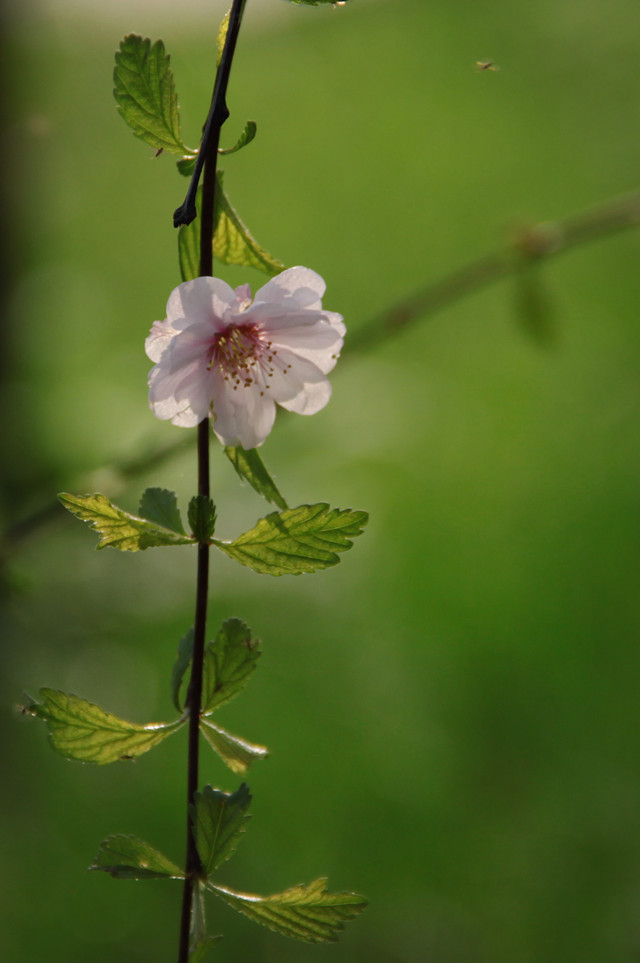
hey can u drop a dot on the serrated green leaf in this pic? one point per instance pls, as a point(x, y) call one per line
point(232, 241)
point(83, 731)
point(247, 135)
point(219, 820)
point(249, 465)
point(202, 517)
point(237, 753)
point(161, 506)
point(145, 93)
point(302, 539)
point(234, 244)
point(180, 666)
point(118, 528)
point(127, 857)
point(229, 662)
point(306, 913)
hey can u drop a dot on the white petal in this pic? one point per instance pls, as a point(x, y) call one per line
point(242, 416)
point(300, 283)
point(198, 391)
point(321, 343)
point(299, 385)
point(192, 344)
point(164, 405)
point(311, 400)
point(158, 341)
point(186, 419)
point(203, 300)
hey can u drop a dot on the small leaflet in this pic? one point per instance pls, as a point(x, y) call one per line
point(127, 857)
point(302, 539)
point(249, 465)
point(202, 517)
point(232, 240)
point(247, 135)
point(307, 913)
point(146, 95)
point(117, 528)
point(159, 505)
point(229, 663)
point(237, 753)
point(219, 819)
point(83, 731)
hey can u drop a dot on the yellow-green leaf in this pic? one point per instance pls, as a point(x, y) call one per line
point(83, 731)
point(302, 539)
point(145, 93)
point(219, 819)
point(307, 913)
point(249, 465)
point(236, 753)
point(127, 857)
point(232, 240)
point(118, 528)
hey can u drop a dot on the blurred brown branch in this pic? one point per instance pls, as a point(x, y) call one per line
point(527, 245)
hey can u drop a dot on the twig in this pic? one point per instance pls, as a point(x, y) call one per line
point(528, 245)
point(218, 113)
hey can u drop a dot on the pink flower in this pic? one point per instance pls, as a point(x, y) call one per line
point(222, 355)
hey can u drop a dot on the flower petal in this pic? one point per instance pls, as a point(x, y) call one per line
point(201, 301)
point(220, 354)
point(299, 385)
point(300, 283)
point(159, 339)
point(320, 343)
point(242, 416)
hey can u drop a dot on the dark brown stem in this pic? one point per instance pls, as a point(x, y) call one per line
point(208, 159)
point(218, 113)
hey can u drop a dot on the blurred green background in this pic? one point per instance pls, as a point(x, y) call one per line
point(452, 712)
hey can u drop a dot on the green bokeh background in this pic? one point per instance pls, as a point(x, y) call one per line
point(453, 711)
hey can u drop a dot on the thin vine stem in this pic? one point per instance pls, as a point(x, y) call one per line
point(207, 160)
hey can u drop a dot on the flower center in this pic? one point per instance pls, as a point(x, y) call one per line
point(242, 355)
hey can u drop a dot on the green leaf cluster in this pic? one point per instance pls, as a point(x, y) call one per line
point(290, 542)
point(145, 93)
point(229, 662)
point(82, 731)
point(232, 241)
point(308, 913)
